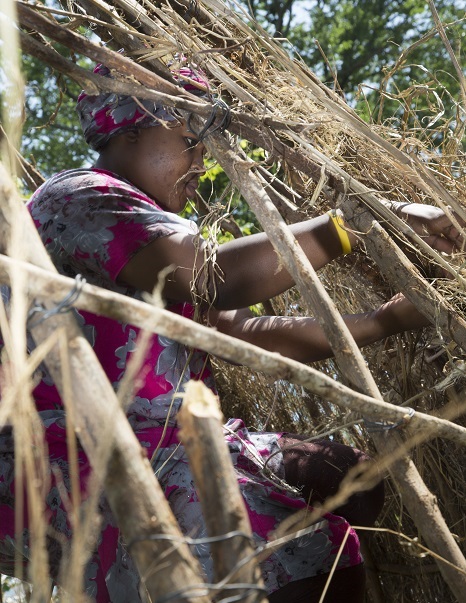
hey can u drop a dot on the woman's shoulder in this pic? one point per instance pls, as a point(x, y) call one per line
point(86, 183)
point(90, 195)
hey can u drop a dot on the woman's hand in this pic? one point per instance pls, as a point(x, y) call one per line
point(434, 226)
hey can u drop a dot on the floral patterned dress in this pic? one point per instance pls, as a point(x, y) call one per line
point(92, 222)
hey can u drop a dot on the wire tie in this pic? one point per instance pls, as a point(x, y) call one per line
point(191, 11)
point(374, 426)
point(217, 105)
point(191, 541)
point(61, 307)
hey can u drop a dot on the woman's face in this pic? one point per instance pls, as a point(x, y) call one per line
point(165, 163)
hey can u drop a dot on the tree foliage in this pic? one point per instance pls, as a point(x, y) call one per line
point(52, 137)
point(351, 43)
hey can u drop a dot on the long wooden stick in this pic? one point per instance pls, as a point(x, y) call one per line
point(30, 18)
point(44, 285)
point(223, 508)
point(419, 501)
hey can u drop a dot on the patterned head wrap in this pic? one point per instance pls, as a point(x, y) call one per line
point(109, 114)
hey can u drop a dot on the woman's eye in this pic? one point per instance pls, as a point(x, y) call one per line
point(191, 142)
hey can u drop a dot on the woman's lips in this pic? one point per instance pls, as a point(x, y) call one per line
point(191, 187)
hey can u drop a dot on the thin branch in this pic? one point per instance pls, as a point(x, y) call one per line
point(446, 42)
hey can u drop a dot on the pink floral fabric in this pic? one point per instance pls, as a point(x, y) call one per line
point(109, 114)
point(92, 222)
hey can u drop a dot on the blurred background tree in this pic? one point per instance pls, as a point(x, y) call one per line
point(356, 42)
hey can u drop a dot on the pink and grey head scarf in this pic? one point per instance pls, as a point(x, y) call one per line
point(110, 114)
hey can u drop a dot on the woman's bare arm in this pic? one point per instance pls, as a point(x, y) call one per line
point(302, 338)
point(248, 270)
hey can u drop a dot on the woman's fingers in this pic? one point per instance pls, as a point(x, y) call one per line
point(436, 228)
point(439, 243)
point(457, 238)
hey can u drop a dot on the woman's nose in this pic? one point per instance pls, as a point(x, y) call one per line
point(198, 159)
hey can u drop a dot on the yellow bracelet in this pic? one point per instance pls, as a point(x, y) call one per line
point(339, 224)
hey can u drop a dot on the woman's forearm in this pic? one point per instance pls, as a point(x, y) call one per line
point(251, 268)
point(303, 339)
point(247, 270)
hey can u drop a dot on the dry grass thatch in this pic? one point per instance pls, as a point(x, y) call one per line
point(326, 155)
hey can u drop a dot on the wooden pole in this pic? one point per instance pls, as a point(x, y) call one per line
point(45, 285)
point(223, 509)
point(421, 504)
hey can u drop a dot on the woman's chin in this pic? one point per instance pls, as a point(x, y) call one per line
point(190, 191)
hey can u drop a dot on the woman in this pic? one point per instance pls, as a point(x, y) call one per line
point(117, 224)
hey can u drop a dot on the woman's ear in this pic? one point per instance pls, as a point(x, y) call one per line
point(132, 136)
